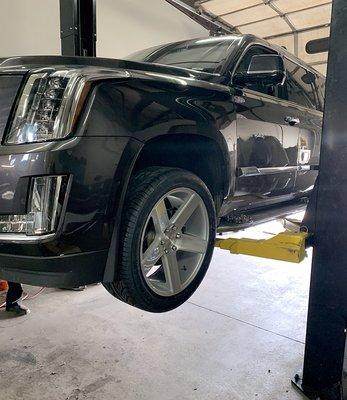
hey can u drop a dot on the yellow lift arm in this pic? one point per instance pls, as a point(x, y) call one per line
point(286, 246)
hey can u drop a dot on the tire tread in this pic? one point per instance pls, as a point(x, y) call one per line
point(141, 186)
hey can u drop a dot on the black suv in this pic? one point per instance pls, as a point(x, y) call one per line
point(121, 171)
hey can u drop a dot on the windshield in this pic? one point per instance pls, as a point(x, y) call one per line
point(202, 55)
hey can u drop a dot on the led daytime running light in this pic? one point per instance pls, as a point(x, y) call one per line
point(46, 107)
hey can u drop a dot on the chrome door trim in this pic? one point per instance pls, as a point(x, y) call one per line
point(254, 171)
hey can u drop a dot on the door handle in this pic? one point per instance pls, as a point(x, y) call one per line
point(292, 120)
point(247, 171)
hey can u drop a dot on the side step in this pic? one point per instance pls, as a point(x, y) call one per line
point(242, 221)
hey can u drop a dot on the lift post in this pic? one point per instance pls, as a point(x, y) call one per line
point(324, 363)
point(78, 27)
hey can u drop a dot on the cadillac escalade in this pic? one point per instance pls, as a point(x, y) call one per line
point(122, 171)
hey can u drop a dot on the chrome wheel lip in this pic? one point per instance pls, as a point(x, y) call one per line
point(171, 245)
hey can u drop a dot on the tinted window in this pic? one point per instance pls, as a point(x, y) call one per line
point(320, 85)
point(300, 87)
point(203, 55)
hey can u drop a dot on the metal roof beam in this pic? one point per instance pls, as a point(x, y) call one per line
point(213, 26)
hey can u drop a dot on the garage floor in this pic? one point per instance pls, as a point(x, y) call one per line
point(239, 337)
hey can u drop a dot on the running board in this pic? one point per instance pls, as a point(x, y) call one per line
point(240, 221)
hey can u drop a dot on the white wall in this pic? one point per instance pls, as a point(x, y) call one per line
point(30, 27)
point(126, 26)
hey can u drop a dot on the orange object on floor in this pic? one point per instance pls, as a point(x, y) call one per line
point(3, 285)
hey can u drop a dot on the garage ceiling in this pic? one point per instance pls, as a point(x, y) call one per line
point(288, 23)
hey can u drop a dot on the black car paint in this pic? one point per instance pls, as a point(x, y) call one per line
point(119, 118)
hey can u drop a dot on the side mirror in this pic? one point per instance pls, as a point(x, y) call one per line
point(264, 69)
point(309, 78)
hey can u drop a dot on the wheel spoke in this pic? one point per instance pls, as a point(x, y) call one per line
point(172, 273)
point(186, 210)
point(151, 256)
point(173, 242)
point(160, 217)
point(192, 244)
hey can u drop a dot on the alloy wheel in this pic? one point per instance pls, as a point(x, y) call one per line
point(174, 241)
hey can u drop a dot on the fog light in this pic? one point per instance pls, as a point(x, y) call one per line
point(44, 208)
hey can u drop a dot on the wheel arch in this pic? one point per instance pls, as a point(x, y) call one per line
point(191, 152)
point(200, 154)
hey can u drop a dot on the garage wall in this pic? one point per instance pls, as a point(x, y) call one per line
point(30, 27)
point(126, 26)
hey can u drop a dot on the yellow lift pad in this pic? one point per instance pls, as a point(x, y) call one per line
point(286, 246)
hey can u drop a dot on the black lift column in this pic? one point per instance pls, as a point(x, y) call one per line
point(78, 27)
point(323, 371)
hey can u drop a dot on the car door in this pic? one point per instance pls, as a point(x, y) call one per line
point(305, 110)
point(266, 152)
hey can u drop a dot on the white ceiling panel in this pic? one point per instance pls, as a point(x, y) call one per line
point(312, 17)
point(273, 26)
point(250, 15)
point(285, 41)
point(287, 6)
point(220, 7)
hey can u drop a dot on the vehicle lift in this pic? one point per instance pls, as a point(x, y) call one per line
point(324, 372)
point(285, 246)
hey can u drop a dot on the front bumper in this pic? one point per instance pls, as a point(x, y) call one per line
point(76, 253)
point(59, 271)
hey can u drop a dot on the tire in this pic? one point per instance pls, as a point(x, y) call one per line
point(184, 249)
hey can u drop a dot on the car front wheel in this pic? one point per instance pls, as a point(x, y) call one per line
point(167, 239)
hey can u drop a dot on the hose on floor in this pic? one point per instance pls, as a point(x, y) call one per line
point(26, 296)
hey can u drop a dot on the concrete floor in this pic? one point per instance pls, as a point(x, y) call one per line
point(239, 337)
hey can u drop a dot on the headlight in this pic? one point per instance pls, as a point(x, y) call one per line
point(47, 107)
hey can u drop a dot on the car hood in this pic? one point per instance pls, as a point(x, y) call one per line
point(24, 63)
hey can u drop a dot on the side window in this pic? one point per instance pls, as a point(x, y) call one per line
point(244, 64)
point(300, 86)
point(320, 85)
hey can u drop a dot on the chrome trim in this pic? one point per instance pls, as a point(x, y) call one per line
point(56, 201)
point(248, 171)
point(277, 100)
point(304, 168)
point(276, 170)
point(292, 120)
point(253, 171)
point(23, 238)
